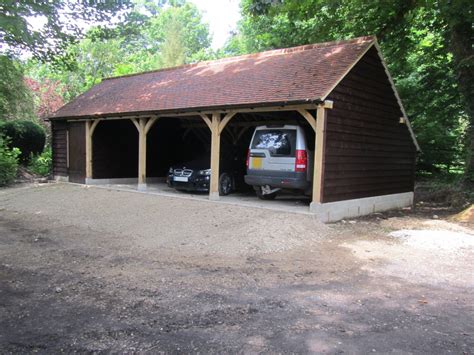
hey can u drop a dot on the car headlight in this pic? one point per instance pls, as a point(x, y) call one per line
point(205, 172)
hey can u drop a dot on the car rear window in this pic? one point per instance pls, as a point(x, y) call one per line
point(279, 142)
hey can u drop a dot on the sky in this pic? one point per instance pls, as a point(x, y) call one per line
point(222, 16)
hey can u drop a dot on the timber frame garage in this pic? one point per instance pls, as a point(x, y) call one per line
point(365, 149)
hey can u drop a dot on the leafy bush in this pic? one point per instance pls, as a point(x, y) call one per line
point(42, 164)
point(27, 136)
point(8, 162)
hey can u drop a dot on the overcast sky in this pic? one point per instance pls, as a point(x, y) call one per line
point(222, 16)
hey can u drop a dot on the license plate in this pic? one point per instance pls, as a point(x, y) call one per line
point(181, 178)
point(257, 163)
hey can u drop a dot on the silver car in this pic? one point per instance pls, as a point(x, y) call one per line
point(278, 158)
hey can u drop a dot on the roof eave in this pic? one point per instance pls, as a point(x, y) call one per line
point(222, 108)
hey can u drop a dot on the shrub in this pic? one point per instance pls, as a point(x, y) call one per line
point(41, 164)
point(8, 162)
point(27, 136)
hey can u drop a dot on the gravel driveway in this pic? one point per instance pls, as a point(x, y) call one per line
point(90, 269)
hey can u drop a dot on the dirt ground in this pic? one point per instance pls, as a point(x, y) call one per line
point(96, 270)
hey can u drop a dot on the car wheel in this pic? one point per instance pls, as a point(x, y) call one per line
point(225, 184)
point(263, 196)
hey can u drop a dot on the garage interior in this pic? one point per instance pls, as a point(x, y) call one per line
point(177, 140)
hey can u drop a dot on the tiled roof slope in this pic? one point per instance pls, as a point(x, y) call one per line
point(291, 75)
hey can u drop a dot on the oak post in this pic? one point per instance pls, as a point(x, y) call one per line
point(319, 153)
point(142, 153)
point(215, 153)
point(88, 124)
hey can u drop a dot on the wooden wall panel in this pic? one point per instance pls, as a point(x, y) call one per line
point(59, 147)
point(77, 152)
point(368, 151)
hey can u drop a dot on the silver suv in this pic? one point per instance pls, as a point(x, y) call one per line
point(278, 158)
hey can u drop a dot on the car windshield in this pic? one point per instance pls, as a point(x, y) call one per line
point(278, 141)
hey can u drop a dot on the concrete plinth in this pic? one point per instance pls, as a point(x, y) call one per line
point(335, 211)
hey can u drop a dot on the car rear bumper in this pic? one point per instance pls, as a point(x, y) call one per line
point(277, 179)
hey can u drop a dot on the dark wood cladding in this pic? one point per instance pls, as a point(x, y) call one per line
point(368, 152)
point(77, 152)
point(59, 147)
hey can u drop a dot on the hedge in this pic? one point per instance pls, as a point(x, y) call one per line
point(25, 135)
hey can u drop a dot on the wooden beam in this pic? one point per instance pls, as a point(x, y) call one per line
point(142, 153)
point(248, 124)
point(186, 132)
point(215, 154)
point(209, 112)
point(240, 134)
point(308, 117)
point(94, 125)
point(88, 149)
point(320, 143)
point(135, 122)
point(202, 135)
point(206, 120)
point(150, 123)
point(226, 120)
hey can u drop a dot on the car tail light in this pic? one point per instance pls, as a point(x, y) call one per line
point(247, 161)
point(301, 161)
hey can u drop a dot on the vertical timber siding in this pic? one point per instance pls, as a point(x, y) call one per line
point(59, 147)
point(368, 151)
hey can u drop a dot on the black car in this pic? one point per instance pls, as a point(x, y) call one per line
point(195, 175)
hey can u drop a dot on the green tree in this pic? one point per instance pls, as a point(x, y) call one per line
point(152, 37)
point(172, 49)
point(63, 23)
point(15, 98)
point(427, 45)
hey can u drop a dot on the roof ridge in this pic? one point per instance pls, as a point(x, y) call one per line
point(267, 53)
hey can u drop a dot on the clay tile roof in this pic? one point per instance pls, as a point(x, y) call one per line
point(292, 75)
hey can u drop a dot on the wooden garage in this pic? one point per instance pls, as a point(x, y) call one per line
point(365, 149)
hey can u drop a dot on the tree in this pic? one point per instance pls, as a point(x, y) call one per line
point(152, 37)
point(63, 23)
point(427, 45)
point(15, 98)
point(172, 49)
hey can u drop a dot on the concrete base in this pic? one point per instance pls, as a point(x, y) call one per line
point(214, 196)
point(141, 187)
point(122, 181)
point(335, 211)
point(61, 178)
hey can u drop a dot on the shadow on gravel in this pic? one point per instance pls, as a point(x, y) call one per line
point(57, 299)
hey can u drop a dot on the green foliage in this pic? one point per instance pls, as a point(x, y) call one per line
point(172, 49)
point(8, 162)
point(152, 37)
point(62, 23)
point(42, 164)
point(27, 136)
point(427, 45)
point(15, 98)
